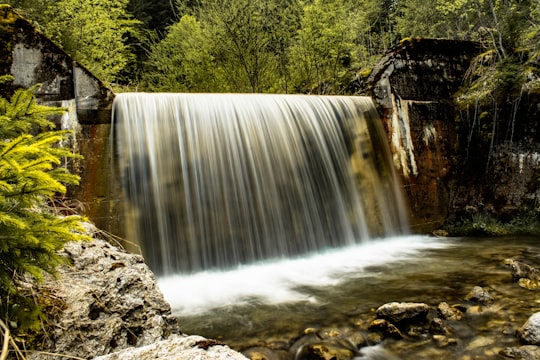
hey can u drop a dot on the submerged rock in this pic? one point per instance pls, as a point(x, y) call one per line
point(264, 353)
point(479, 295)
point(527, 352)
point(386, 328)
point(529, 333)
point(324, 351)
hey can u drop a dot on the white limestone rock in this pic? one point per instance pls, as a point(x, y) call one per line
point(178, 347)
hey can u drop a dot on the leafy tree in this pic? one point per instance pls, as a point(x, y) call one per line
point(182, 61)
point(94, 32)
point(324, 46)
point(244, 41)
point(30, 176)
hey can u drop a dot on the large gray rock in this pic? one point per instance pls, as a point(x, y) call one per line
point(178, 347)
point(529, 333)
point(111, 302)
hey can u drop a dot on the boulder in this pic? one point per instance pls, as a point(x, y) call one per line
point(110, 301)
point(178, 347)
point(529, 333)
point(397, 312)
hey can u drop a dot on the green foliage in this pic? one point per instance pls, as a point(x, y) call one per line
point(30, 176)
point(182, 60)
point(94, 32)
point(282, 46)
point(324, 46)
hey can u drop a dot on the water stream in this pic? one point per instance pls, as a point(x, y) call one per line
point(266, 215)
point(273, 304)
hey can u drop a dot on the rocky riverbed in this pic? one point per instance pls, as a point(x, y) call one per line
point(488, 309)
point(471, 299)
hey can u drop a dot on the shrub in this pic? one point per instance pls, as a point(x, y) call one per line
point(31, 233)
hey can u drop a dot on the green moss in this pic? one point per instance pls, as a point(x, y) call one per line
point(526, 222)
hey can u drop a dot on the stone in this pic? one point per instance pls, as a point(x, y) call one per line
point(527, 276)
point(448, 312)
point(479, 295)
point(527, 352)
point(324, 351)
point(401, 311)
point(264, 353)
point(438, 326)
point(177, 347)
point(111, 302)
point(529, 333)
point(386, 328)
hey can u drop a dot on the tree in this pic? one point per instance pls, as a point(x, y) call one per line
point(324, 47)
point(31, 233)
point(94, 32)
point(182, 61)
point(245, 38)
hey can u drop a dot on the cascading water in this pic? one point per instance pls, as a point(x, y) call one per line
point(214, 181)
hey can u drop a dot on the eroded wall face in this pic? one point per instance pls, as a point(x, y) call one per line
point(452, 165)
point(32, 59)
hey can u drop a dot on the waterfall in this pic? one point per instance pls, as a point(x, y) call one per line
point(216, 180)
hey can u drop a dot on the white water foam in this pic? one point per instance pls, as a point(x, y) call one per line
point(277, 281)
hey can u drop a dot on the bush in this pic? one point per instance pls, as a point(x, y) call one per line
point(31, 233)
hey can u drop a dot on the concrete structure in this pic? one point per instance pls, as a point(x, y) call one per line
point(31, 58)
point(413, 87)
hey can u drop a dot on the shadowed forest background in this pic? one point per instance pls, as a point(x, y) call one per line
point(284, 46)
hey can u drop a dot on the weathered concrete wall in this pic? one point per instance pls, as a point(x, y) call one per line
point(456, 164)
point(413, 87)
point(31, 58)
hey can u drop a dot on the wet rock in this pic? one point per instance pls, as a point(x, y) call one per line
point(375, 338)
point(325, 344)
point(386, 328)
point(479, 295)
point(529, 333)
point(324, 351)
point(438, 326)
point(527, 352)
point(397, 312)
point(480, 342)
point(309, 337)
point(444, 341)
point(177, 347)
point(529, 284)
point(448, 312)
point(264, 353)
point(111, 300)
point(527, 276)
point(520, 270)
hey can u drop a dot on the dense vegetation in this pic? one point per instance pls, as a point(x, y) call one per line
point(32, 174)
point(286, 46)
